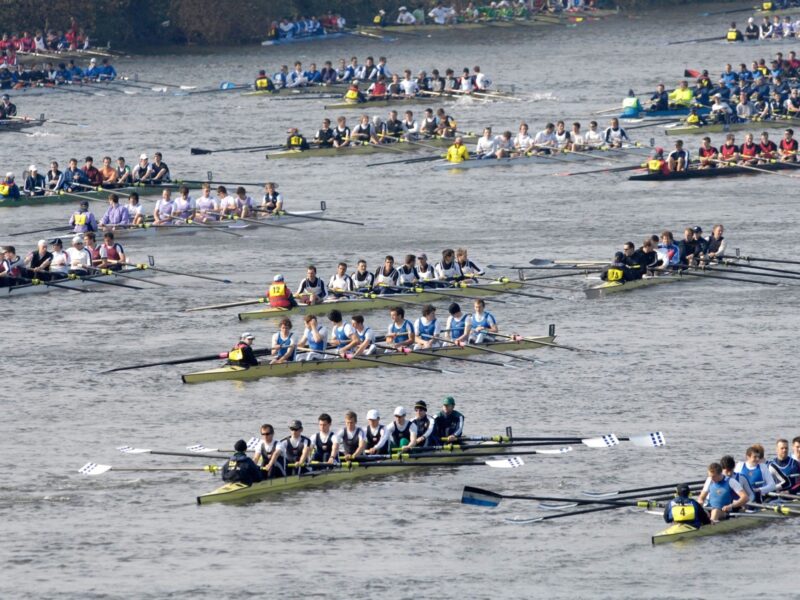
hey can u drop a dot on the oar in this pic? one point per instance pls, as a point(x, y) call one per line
point(739, 264)
point(504, 463)
point(740, 271)
point(711, 276)
point(770, 260)
point(262, 147)
point(725, 12)
point(780, 509)
point(512, 292)
point(312, 217)
point(252, 221)
point(370, 358)
point(651, 123)
point(484, 349)
point(106, 271)
point(578, 512)
point(651, 488)
point(407, 161)
point(519, 338)
point(444, 291)
point(182, 361)
point(183, 273)
point(261, 300)
point(67, 228)
point(36, 281)
point(175, 85)
point(754, 169)
point(606, 110)
point(698, 40)
point(96, 279)
point(132, 450)
point(407, 350)
point(481, 497)
point(96, 469)
point(594, 171)
point(435, 451)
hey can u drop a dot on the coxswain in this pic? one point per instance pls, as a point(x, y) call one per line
point(694, 118)
point(83, 219)
point(682, 96)
point(400, 332)
point(729, 151)
point(449, 423)
point(659, 101)
point(374, 433)
point(263, 83)
point(115, 214)
point(343, 337)
point(351, 441)
point(447, 270)
point(678, 159)
point(279, 295)
point(734, 35)
point(456, 327)
point(723, 494)
point(164, 209)
point(38, 262)
point(294, 450)
point(457, 153)
point(685, 510)
point(708, 154)
point(364, 132)
point(296, 141)
point(272, 200)
point(12, 268)
point(8, 187)
point(426, 425)
point(749, 150)
point(407, 274)
point(400, 434)
point(468, 267)
point(323, 443)
point(313, 341)
point(241, 468)
point(363, 279)
point(615, 135)
point(631, 106)
point(426, 329)
point(365, 335)
point(283, 343)
point(657, 164)
point(340, 281)
point(265, 448)
point(354, 95)
point(481, 324)
point(788, 147)
point(756, 472)
point(385, 280)
point(784, 468)
point(79, 258)
point(35, 184)
point(112, 253)
point(617, 271)
point(311, 289)
point(242, 355)
point(425, 272)
point(379, 20)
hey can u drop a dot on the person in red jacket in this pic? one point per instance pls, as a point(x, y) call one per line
point(279, 294)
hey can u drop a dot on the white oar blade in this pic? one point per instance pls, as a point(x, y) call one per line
point(93, 469)
point(132, 450)
point(563, 450)
point(590, 494)
point(552, 506)
point(606, 441)
point(522, 521)
point(654, 439)
point(200, 448)
point(506, 463)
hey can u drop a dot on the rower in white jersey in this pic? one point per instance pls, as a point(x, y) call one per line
point(284, 343)
point(311, 289)
point(756, 472)
point(426, 328)
point(262, 455)
point(376, 441)
point(578, 140)
point(323, 443)
point(563, 138)
point(184, 205)
point(545, 142)
point(505, 145)
point(59, 264)
point(400, 332)
point(615, 135)
point(314, 340)
point(593, 138)
point(365, 335)
point(292, 450)
point(407, 274)
point(343, 336)
point(523, 142)
point(340, 282)
point(244, 204)
point(426, 425)
point(447, 269)
point(456, 327)
point(486, 146)
point(401, 433)
point(410, 127)
point(385, 281)
point(135, 210)
point(425, 271)
point(481, 324)
point(227, 205)
point(351, 441)
point(162, 214)
point(468, 267)
point(363, 280)
point(205, 206)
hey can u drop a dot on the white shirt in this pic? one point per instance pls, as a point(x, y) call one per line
point(409, 87)
point(577, 138)
point(593, 138)
point(341, 282)
point(439, 15)
point(78, 258)
point(482, 82)
point(486, 146)
point(59, 263)
point(523, 141)
point(545, 139)
point(135, 210)
point(405, 18)
point(390, 429)
point(228, 202)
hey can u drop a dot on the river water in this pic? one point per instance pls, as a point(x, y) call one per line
point(711, 364)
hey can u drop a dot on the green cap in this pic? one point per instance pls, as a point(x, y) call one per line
point(449, 401)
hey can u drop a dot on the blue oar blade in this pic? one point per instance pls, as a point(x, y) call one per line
point(479, 497)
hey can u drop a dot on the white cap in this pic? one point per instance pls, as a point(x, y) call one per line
point(248, 336)
point(94, 60)
point(78, 239)
point(402, 8)
point(32, 168)
point(400, 411)
point(143, 156)
point(278, 277)
point(750, 20)
point(373, 415)
point(41, 243)
point(10, 175)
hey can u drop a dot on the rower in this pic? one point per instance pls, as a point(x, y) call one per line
point(678, 159)
point(323, 442)
point(684, 510)
point(631, 106)
point(35, 184)
point(162, 213)
point(468, 268)
point(668, 251)
point(615, 135)
point(445, 124)
point(716, 244)
point(294, 449)
point(374, 433)
point(90, 243)
point(37, 262)
point(7, 109)
point(206, 207)
point(429, 124)
point(115, 214)
point(244, 203)
point(83, 220)
point(456, 328)
point(481, 324)
point(724, 494)
point(792, 104)
point(426, 425)
point(407, 274)
point(447, 270)
point(410, 127)
point(720, 110)
point(112, 253)
point(749, 151)
point(659, 101)
point(425, 272)
point(283, 343)
point(377, 90)
point(394, 127)
point(545, 142)
point(617, 271)
point(311, 289)
point(701, 243)
point(633, 261)
point(123, 172)
point(227, 205)
point(767, 149)
point(55, 178)
point(59, 265)
point(341, 133)
point(457, 153)
point(563, 137)
point(427, 329)
point(263, 83)
point(756, 473)
point(409, 85)
point(363, 280)
point(486, 146)
point(385, 280)
point(343, 336)
point(645, 256)
point(184, 208)
point(578, 141)
point(708, 154)
point(92, 173)
point(78, 257)
point(449, 423)
point(400, 332)
point(657, 164)
point(139, 172)
point(324, 137)
point(12, 268)
point(340, 281)
point(272, 200)
point(313, 339)
point(364, 132)
point(295, 140)
point(784, 468)
point(788, 147)
point(593, 138)
point(751, 32)
point(689, 249)
point(505, 145)
point(729, 151)
point(242, 354)
point(241, 468)
point(401, 433)
point(262, 455)
point(365, 335)
point(351, 441)
point(523, 142)
point(682, 96)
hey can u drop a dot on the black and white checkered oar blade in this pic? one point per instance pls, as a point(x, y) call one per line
point(506, 463)
point(132, 450)
point(200, 448)
point(93, 469)
point(605, 441)
point(654, 439)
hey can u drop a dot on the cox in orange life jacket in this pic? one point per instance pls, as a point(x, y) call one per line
point(788, 146)
point(729, 151)
point(353, 94)
point(242, 354)
point(8, 188)
point(279, 294)
point(767, 148)
point(264, 83)
point(708, 154)
point(296, 141)
point(657, 164)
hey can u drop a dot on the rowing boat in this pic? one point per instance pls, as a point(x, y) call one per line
point(235, 373)
point(572, 157)
point(358, 305)
point(604, 288)
point(713, 172)
point(306, 38)
point(399, 101)
point(682, 129)
point(19, 124)
point(301, 91)
point(98, 194)
point(367, 148)
point(682, 531)
point(234, 492)
point(27, 58)
point(93, 281)
point(672, 112)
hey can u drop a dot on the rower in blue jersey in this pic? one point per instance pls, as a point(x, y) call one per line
point(283, 343)
point(343, 337)
point(427, 329)
point(756, 473)
point(365, 335)
point(401, 331)
point(449, 423)
point(456, 328)
point(313, 340)
point(323, 442)
point(724, 494)
point(668, 251)
point(481, 324)
point(685, 510)
point(728, 469)
point(784, 468)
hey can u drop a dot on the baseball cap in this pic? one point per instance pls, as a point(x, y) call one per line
point(143, 156)
point(295, 424)
point(449, 401)
point(697, 229)
point(421, 404)
point(400, 411)
point(78, 239)
point(373, 414)
point(278, 277)
point(422, 255)
point(248, 336)
point(32, 168)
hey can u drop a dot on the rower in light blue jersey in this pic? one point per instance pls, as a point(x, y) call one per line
point(283, 343)
point(456, 328)
point(724, 494)
point(427, 329)
point(401, 331)
point(756, 473)
point(481, 324)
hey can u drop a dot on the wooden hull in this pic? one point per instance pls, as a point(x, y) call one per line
point(393, 148)
point(357, 305)
point(231, 373)
point(680, 532)
point(717, 172)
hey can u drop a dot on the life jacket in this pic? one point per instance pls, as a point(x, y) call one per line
point(683, 513)
point(352, 94)
point(378, 20)
point(236, 355)
point(733, 35)
point(278, 295)
point(296, 141)
point(655, 165)
point(693, 119)
point(79, 218)
point(766, 6)
point(615, 274)
point(263, 83)
point(5, 189)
